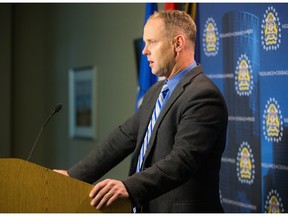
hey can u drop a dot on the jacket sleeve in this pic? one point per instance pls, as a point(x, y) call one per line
point(116, 147)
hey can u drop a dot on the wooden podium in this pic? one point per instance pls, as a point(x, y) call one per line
point(29, 188)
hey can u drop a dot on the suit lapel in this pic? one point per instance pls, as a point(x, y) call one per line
point(176, 93)
point(147, 116)
point(174, 96)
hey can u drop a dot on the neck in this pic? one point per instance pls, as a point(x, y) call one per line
point(181, 65)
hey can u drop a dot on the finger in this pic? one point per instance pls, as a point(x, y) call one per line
point(98, 197)
point(111, 200)
point(106, 199)
point(98, 193)
point(98, 187)
point(63, 172)
point(106, 192)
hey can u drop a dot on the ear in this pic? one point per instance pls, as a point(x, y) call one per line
point(179, 43)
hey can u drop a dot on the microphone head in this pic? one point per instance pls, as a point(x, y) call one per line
point(58, 107)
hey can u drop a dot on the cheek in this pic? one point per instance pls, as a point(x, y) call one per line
point(167, 56)
point(163, 55)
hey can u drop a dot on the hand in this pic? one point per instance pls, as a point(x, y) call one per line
point(106, 192)
point(63, 172)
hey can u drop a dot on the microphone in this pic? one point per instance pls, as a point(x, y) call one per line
point(57, 108)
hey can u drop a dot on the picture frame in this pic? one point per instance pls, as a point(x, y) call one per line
point(82, 102)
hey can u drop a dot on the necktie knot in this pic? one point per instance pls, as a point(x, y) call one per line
point(165, 87)
point(162, 95)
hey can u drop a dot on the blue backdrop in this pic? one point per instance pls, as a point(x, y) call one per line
point(244, 50)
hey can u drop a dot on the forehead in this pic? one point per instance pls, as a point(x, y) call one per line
point(154, 27)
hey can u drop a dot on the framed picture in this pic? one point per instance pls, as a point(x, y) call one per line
point(82, 102)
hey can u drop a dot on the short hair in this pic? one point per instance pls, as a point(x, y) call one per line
point(176, 22)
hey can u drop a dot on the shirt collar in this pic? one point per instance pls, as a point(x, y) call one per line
point(172, 83)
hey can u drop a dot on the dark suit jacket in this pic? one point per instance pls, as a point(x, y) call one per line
point(182, 163)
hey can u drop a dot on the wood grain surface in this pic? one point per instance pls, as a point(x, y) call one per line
point(26, 187)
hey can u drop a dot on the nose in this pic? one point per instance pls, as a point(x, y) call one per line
point(145, 50)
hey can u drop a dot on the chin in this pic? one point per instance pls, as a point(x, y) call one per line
point(154, 73)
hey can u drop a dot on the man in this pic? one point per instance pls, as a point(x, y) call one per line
point(179, 169)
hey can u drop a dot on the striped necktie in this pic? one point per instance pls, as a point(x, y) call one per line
point(156, 112)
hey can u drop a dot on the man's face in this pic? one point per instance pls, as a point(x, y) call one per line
point(158, 48)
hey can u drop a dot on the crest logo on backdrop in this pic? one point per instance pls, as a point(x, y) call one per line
point(245, 164)
point(273, 203)
point(271, 30)
point(210, 38)
point(243, 76)
point(272, 121)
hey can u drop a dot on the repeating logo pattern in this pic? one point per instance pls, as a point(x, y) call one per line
point(273, 203)
point(272, 121)
point(210, 38)
point(271, 30)
point(243, 76)
point(245, 164)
